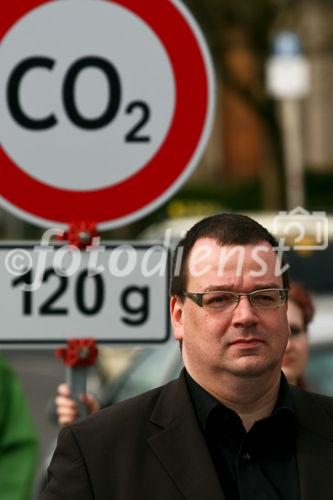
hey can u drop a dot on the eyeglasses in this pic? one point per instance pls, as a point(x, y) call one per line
point(223, 301)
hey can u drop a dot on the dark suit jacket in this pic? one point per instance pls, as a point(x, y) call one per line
point(151, 448)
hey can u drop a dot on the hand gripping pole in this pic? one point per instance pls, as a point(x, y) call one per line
point(78, 356)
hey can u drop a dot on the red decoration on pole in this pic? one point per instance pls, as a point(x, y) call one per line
point(79, 352)
point(80, 234)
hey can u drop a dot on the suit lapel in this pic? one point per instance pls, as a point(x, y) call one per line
point(180, 446)
point(314, 448)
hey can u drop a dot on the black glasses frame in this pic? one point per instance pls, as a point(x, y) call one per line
point(197, 298)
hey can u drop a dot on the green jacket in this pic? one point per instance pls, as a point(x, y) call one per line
point(18, 443)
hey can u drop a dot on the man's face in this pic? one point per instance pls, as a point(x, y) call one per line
point(245, 341)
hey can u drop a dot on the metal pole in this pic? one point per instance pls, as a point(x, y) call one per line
point(293, 152)
point(76, 378)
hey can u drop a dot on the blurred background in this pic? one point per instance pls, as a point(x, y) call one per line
point(271, 150)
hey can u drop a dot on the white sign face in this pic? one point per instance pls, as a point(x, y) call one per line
point(99, 100)
point(113, 293)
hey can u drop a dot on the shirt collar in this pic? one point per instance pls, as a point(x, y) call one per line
point(204, 403)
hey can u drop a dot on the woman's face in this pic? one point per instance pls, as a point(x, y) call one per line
point(296, 355)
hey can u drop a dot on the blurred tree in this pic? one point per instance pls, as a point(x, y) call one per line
point(232, 23)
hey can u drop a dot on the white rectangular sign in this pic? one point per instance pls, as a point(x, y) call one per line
point(114, 293)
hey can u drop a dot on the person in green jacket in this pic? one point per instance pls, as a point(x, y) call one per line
point(18, 441)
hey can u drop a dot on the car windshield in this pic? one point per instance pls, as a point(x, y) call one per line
point(154, 367)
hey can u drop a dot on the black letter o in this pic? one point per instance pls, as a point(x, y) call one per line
point(114, 92)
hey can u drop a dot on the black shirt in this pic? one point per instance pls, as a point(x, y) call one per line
point(255, 465)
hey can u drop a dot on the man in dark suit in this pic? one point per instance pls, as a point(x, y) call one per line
point(230, 427)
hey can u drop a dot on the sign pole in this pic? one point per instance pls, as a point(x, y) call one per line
point(80, 354)
point(288, 80)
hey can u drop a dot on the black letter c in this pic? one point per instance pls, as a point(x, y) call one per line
point(13, 88)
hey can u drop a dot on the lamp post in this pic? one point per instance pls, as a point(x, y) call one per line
point(288, 80)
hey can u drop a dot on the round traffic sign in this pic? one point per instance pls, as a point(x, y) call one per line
point(106, 107)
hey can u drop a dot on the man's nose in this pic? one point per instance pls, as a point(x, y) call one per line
point(289, 344)
point(245, 313)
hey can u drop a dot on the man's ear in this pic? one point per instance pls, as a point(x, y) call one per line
point(176, 314)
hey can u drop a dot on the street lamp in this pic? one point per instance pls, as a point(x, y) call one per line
point(288, 80)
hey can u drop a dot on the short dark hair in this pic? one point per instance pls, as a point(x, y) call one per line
point(225, 229)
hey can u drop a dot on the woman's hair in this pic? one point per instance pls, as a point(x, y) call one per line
point(303, 299)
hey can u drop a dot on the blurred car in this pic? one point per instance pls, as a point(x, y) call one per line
point(151, 367)
point(319, 372)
